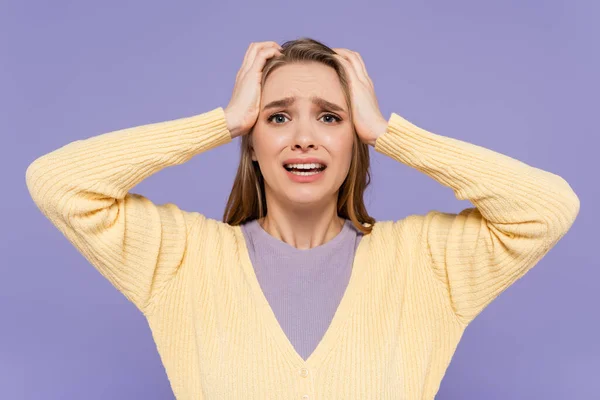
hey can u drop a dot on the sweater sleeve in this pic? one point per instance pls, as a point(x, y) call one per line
point(83, 189)
point(520, 213)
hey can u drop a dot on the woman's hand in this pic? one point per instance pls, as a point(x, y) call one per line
point(243, 108)
point(368, 120)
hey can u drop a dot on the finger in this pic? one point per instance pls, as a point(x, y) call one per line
point(261, 58)
point(345, 60)
point(252, 53)
point(361, 71)
point(254, 48)
point(348, 67)
point(245, 60)
point(346, 55)
point(339, 49)
point(356, 60)
point(364, 68)
point(249, 58)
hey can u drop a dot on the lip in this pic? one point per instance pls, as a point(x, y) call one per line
point(305, 178)
point(306, 160)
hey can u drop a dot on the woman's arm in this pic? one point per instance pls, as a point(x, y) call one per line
point(83, 189)
point(520, 213)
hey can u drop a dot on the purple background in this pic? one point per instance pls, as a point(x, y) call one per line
point(519, 77)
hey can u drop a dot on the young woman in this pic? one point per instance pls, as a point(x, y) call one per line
point(298, 292)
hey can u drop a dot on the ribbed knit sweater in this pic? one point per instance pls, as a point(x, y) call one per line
point(416, 283)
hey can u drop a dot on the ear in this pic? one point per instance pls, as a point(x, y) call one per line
point(251, 146)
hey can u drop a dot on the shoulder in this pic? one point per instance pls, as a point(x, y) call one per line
point(407, 225)
point(415, 229)
point(210, 231)
point(410, 231)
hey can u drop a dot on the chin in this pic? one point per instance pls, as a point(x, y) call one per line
point(305, 198)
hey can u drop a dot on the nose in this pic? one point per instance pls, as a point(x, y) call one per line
point(304, 137)
point(304, 146)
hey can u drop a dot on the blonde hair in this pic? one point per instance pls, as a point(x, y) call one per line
point(247, 198)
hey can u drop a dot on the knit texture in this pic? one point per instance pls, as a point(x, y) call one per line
point(416, 283)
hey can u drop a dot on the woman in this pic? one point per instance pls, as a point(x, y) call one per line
point(299, 293)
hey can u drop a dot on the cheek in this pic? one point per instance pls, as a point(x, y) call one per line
point(265, 147)
point(339, 139)
point(266, 152)
point(340, 149)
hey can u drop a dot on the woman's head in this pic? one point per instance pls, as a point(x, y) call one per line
point(316, 124)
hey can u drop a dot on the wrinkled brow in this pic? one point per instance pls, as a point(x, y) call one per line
point(288, 101)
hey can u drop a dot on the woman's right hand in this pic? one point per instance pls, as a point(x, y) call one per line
point(243, 108)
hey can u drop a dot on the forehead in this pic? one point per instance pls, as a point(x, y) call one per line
point(303, 80)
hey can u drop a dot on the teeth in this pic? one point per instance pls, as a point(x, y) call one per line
point(305, 173)
point(304, 166)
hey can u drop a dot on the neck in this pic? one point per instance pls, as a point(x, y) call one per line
point(302, 228)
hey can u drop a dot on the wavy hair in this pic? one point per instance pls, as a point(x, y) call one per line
point(247, 199)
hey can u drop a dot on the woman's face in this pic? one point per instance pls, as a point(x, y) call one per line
point(296, 132)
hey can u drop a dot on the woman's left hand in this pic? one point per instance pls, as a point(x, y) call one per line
point(368, 119)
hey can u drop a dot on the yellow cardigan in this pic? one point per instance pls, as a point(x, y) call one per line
point(415, 286)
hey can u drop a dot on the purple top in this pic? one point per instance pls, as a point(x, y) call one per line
point(303, 287)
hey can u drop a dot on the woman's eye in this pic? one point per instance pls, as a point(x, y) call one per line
point(272, 117)
point(275, 116)
point(336, 118)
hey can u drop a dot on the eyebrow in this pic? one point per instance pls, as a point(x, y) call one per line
point(288, 101)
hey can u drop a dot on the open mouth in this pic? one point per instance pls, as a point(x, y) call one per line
point(305, 169)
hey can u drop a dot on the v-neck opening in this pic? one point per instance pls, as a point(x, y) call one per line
point(340, 318)
point(282, 247)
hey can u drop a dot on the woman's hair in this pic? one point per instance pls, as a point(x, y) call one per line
point(247, 198)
